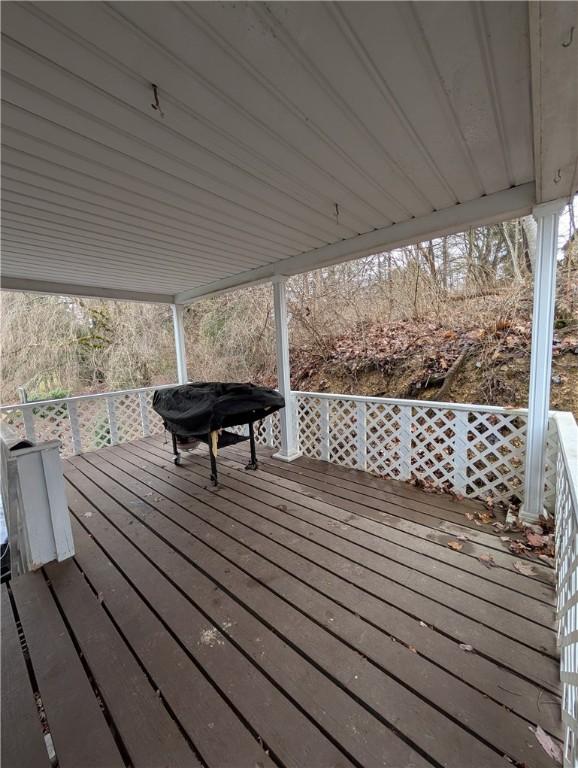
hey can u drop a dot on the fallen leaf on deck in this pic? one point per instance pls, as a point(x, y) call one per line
point(462, 537)
point(282, 507)
point(550, 747)
point(524, 568)
point(469, 515)
point(412, 648)
point(100, 597)
point(535, 540)
point(422, 624)
point(487, 560)
point(504, 538)
point(466, 647)
point(455, 545)
point(518, 547)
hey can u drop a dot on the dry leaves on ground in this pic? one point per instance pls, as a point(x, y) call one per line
point(455, 545)
point(487, 560)
point(466, 647)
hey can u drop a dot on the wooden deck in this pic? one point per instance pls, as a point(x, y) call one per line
point(302, 615)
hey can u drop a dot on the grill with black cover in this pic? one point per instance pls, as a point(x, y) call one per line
point(203, 411)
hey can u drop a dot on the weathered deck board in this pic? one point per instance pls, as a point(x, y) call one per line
point(274, 542)
point(295, 616)
point(146, 729)
point(80, 732)
point(22, 739)
point(447, 606)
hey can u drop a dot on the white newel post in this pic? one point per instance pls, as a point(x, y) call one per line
point(289, 447)
point(180, 343)
point(546, 216)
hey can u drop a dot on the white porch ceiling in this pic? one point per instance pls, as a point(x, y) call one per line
point(291, 134)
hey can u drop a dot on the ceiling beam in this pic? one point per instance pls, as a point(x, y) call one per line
point(88, 291)
point(554, 65)
point(500, 206)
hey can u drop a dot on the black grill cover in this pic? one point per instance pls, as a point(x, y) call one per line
point(194, 410)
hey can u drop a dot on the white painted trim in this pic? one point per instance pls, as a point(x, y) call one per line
point(541, 359)
point(78, 398)
point(289, 446)
point(417, 403)
point(90, 291)
point(508, 203)
point(180, 350)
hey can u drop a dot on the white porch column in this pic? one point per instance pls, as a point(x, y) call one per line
point(546, 216)
point(180, 343)
point(289, 446)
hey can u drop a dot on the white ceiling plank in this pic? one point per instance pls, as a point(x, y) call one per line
point(40, 149)
point(489, 209)
point(46, 200)
point(293, 135)
point(37, 172)
point(188, 271)
point(80, 229)
point(29, 243)
point(64, 127)
point(67, 100)
point(235, 79)
point(89, 291)
point(250, 146)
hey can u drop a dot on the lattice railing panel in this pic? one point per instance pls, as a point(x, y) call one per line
point(495, 455)
point(86, 423)
point(343, 433)
point(310, 426)
point(268, 432)
point(128, 417)
point(153, 421)
point(476, 452)
point(433, 445)
point(387, 442)
point(566, 516)
point(94, 424)
point(13, 417)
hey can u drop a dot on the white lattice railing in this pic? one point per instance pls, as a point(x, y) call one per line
point(89, 422)
point(475, 451)
point(566, 515)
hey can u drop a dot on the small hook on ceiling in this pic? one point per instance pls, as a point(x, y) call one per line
point(570, 39)
point(156, 104)
point(558, 177)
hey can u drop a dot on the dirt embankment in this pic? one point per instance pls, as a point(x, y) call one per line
point(478, 362)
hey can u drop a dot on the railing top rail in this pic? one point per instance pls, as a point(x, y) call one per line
point(418, 403)
point(79, 398)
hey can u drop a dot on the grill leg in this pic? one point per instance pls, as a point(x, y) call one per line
point(214, 475)
point(177, 458)
point(253, 463)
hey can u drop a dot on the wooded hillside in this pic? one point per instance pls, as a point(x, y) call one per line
point(447, 319)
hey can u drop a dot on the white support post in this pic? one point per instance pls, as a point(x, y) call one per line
point(289, 448)
point(361, 429)
point(74, 427)
point(324, 434)
point(112, 425)
point(546, 216)
point(180, 343)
